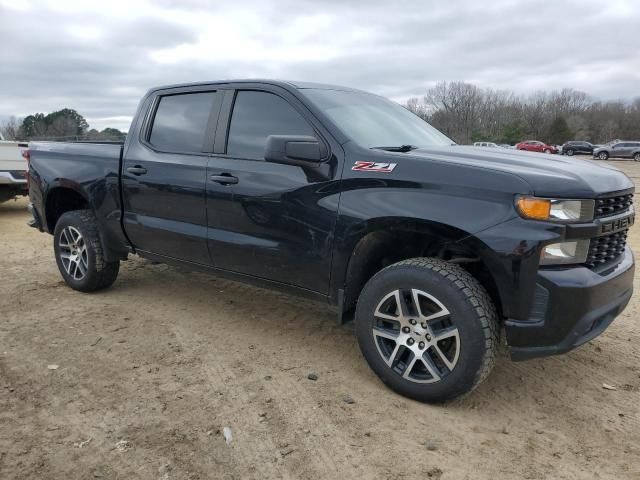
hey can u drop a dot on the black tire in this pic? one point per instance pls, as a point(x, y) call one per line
point(470, 311)
point(570, 152)
point(636, 156)
point(98, 273)
point(603, 155)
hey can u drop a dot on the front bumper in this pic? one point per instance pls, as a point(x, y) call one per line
point(571, 307)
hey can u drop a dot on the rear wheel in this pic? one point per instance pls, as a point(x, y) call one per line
point(79, 252)
point(428, 329)
point(603, 155)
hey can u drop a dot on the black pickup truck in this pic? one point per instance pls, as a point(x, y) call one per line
point(348, 198)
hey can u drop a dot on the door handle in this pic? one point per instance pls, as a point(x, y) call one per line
point(137, 170)
point(224, 179)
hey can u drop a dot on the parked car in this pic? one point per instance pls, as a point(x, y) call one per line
point(574, 146)
point(536, 146)
point(622, 149)
point(485, 144)
point(13, 170)
point(350, 199)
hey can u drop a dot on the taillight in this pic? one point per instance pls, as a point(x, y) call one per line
point(26, 154)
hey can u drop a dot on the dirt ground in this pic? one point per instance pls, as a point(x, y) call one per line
point(150, 372)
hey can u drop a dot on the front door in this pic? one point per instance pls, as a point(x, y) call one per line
point(280, 221)
point(164, 177)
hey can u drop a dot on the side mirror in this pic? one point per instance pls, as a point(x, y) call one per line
point(297, 150)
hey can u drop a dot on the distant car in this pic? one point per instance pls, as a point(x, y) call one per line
point(485, 144)
point(623, 149)
point(536, 146)
point(573, 146)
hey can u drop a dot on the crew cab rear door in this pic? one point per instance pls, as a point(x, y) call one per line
point(164, 174)
point(280, 223)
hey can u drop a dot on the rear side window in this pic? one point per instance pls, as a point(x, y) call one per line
point(180, 122)
point(256, 115)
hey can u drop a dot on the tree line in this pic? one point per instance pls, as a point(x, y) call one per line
point(467, 113)
point(65, 124)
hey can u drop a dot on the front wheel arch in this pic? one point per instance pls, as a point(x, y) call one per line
point(371, 254)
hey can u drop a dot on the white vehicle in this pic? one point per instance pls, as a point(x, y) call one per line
point(13, 170)
point(485, 144)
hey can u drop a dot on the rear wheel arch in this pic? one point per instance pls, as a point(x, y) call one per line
point(61, 200)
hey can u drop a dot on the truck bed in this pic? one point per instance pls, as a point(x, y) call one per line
point(92, 169)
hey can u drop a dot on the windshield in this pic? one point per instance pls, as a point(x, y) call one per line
point(372, 121)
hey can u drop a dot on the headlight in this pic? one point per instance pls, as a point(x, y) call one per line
point(565, 253)
point(555, 210)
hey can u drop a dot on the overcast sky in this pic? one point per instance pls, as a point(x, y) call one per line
point(100, 57)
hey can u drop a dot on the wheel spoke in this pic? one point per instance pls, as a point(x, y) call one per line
point(386, 316)
point(383, 333)
point(75, 268)
point(409, 367)
point(446, 333)
point(395, 355)
point(430, 366)
point(81, 267)
point(443, 312)
point(67, 244)
point(403, 306)
point(444, 358)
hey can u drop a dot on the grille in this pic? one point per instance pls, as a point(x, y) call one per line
point(606, 207)
point(606, 248)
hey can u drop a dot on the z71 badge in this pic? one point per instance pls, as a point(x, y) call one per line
point(373, 167)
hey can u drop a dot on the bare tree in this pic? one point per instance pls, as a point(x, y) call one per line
point(9, 129)
point(467, 113)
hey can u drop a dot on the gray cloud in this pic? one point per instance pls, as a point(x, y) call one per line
point(100, 60)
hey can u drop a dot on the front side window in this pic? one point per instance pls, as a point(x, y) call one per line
point(180, 122)
point(256, 115)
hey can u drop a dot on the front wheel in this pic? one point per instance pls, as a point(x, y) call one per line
point(546, 150)
point(428, 329)
point(603, 155)
point(80, 254)
point(570, 152)
point(636, 157)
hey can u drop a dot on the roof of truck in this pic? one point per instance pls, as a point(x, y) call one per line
point(282, 83)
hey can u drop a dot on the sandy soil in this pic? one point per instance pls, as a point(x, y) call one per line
point(150, 372)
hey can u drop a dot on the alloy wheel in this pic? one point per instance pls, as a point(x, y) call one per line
point(415, 336)
point(602, 156)
point(73, 253)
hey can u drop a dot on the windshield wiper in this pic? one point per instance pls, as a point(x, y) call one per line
point(399, 148)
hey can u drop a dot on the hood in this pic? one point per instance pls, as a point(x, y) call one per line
point(548, 175)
